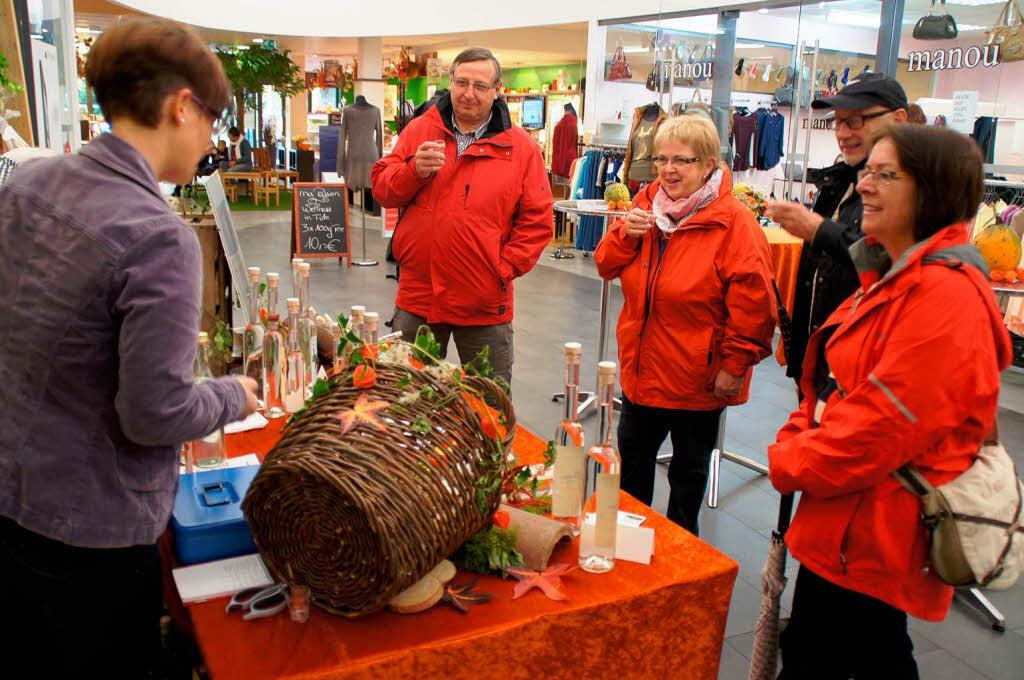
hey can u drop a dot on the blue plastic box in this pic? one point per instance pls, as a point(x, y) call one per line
point(208, 522)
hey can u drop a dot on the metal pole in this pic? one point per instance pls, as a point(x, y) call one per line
point(888, 47)
point(721, 84)
point(810, 123)
point(362, 208)
point(794, 125)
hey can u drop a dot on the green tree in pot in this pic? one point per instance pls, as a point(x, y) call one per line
point(250, 70)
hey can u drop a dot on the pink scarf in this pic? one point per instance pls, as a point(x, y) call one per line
point(671, 214)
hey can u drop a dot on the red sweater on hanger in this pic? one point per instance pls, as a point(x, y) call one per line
point(563, 145)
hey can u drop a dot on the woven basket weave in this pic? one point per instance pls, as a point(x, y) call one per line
point(360, 517)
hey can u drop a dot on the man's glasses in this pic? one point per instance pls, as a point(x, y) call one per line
point(219, 125)
point(478, 87)
point(882, 177)
point(856, 121)
point(676, 161)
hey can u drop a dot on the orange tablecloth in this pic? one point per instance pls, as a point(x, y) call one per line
point(666, 620)
point(785, 250)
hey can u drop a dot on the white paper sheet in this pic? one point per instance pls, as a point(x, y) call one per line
point(633, 542)
point(255, 421)
point(220, 578)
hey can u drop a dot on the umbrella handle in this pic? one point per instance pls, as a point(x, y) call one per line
point(785, 512)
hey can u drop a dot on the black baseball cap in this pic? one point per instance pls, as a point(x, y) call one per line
point(865, 91)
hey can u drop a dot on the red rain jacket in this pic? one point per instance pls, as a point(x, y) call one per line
point(917, 357)
point(468, 231)
point(707, 305)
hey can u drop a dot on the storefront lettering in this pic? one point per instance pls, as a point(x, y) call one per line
point(698, 69)
point(953, 58)
point(819, 124)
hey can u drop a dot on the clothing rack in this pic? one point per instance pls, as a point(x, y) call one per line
point(591, 228)
point(1009, 192)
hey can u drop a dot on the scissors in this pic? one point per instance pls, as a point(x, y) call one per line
point(258, 603)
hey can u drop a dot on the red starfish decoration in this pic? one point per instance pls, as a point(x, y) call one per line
point(463, 596)
point(364, 411)
point(549, 581)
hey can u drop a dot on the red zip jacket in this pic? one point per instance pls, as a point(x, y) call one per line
point(706, 305)
point(917, 356)
point(468, 231)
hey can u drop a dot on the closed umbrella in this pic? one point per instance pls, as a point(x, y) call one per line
point(764, 657)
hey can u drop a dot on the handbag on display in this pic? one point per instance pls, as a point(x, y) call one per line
point(705, 63)
point(697, 105)
point(974, 522)
point(620, 69)
point(935, 26)
point(660, 78)
point(1008, 33)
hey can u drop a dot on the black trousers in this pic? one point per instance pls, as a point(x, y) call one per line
point(96, 612)
point(642, 429)
point(837, 634)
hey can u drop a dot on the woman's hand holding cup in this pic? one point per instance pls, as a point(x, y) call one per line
point(639, 222)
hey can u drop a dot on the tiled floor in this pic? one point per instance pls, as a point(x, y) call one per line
point(560, 301)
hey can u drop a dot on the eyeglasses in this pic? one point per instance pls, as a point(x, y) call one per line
point(219, 125)
point(856, 121)
point(478, 87)
point(676, 161)
point(883, 177)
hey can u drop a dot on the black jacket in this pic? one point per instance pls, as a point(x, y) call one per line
point(826, 276)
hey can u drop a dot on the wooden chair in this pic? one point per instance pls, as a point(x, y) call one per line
point(266, 188)
point(230, 190)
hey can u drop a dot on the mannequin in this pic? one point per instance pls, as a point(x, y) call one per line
point(638, 166)
point(563, 143)
point(360, 145)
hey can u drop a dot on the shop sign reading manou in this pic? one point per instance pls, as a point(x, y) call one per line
point(953, 58)
point(320, 220)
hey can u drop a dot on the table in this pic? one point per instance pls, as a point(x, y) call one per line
point(249, 177)
point(658, 621)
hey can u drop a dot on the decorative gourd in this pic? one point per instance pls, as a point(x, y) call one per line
point(999, 244)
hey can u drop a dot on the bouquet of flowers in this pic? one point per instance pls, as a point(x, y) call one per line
point(752, 198)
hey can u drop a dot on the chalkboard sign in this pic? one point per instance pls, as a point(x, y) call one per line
point(320, 221)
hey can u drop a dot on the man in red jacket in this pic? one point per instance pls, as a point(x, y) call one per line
point(477, 214)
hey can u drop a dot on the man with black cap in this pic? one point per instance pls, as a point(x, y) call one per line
point(827, 276)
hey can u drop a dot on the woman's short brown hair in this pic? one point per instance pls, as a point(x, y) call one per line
point(695, 131)
point(946, 168)
point(136, 63)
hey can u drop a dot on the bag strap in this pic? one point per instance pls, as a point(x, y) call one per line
point(785, 324)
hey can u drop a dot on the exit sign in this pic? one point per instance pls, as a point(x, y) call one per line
point(270, 43)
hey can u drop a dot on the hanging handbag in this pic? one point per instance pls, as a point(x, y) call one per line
point(1008, 33)
point(620, 69)
point(660, 78)
point(974, 522)
point(935, 26)
point(703, 68)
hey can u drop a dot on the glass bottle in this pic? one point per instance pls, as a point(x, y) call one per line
point(356, 322)
point(295, 365)
point(370, 322)
point(570, 457)
point(252, 339)
point(597, 540)
point(274, 358)
point(273, 288)
point(307, 329)
point(210, 451)
point(296, 277)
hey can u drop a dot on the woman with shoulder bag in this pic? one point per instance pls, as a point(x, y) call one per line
point(905, 371)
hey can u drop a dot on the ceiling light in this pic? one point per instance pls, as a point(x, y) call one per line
point(243, 47)
point(762, 11)
point(971, 27)
point(854, 19)
point(975, 3)
point(634, 50)
point(751, 46)
point(258, 41)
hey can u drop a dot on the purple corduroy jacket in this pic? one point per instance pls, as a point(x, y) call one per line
point(100, 286)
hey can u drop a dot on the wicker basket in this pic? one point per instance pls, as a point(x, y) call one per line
point(360, 517)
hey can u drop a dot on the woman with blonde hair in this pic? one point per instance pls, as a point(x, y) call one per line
point(698, 312)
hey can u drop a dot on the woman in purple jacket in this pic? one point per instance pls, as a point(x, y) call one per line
point(98, 327)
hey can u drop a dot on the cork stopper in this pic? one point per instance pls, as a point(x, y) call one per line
point(204, 337)
point(272, 279)
point(296, 261)
point(371, 319)
point(607, 368)
point(357, 311)
point(573, 349)
point(293, 305)
point(304, 268)
point(254, 274)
